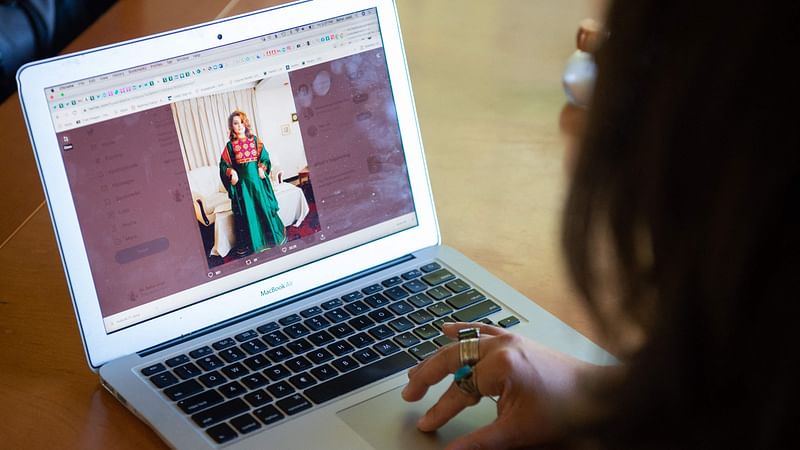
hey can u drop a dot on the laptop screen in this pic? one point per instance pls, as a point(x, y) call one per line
point(196, 175)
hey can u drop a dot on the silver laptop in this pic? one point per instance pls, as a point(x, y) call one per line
point(248, 232)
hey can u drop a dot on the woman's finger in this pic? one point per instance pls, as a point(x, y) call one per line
point(430, 372)
point(452, 402)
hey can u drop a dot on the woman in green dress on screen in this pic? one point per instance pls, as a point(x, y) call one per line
point(244, 168)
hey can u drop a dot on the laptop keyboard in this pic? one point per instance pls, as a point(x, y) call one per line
point(240, 384)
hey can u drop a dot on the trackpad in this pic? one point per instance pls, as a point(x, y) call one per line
point(389, 422)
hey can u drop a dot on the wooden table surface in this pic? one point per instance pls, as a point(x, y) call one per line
point(486, 77)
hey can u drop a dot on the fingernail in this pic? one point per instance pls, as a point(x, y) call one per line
point(422, 421)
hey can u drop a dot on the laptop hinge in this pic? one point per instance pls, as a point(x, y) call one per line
point(273, 306)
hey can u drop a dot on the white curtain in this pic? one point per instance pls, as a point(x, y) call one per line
point(202, 124)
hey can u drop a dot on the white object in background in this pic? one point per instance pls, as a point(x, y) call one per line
point(579, 78)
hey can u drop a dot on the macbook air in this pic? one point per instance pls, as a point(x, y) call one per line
point(248, 232)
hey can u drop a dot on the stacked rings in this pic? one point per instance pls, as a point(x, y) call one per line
point(469, 355)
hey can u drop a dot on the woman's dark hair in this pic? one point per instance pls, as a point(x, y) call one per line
point(688, 175)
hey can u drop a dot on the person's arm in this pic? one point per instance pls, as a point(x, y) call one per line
point(532, 383)
point(264, 164)
point(227, 173)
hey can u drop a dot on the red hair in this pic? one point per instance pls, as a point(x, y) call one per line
point(245, 122)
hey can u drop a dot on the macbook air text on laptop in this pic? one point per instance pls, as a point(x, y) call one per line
point(267, 288)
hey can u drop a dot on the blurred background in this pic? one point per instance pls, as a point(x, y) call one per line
point(35, 29)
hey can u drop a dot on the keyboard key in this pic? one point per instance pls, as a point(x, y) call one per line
point(298, 364)
point(245, 423)
point(393, 281)
point(299, 346)
point(268, 327)
point(320, 338)
point(295, 331)
point(401, 308)
point(278, 372)
point(254, 381)
point(386, 347)
point(476, 312)
point(360, 377)
point(341, 330)
point(396, 293)
point(152, 370)
point(319, 356)
point(407, 339)
point(365, 356)
point(369, 290)
point(420, 316)
point(508, 322)
point(223, 344)
point(415, 286)
point(381, 332)
point(353, 296)
point(212, 379)
point(401, 324)
point(443, 340)
point(345, 364)
point(187, 371)
point(246, 336)
point(438, 277)
point(294, 404)
point(288, 320)
point(220, 412)
point(439, 322)
point(254, 346)
point(357, 307)
point(302, 381)
point(257, 398)
point(232, 389)
point(426, 332)
point(361, 340)
point(310, 312)
point(183, 390)
point(268, 414)
point(440, 309)
point(232, 354)
point(430, 267)
point(376, 300)
point(423, 350)
point(324, 372)
point(281, 389)
point(200, 402)
point(331, 304)
point(381, 315)
point(487, 321)
point(411, 274)
point(465, 299)
point(340, 348)
point(275, 338)
point(257, 362)
point(278, 354)
point(420, 300)
point(337, 315)
point(177, 360)
point(439, 293)
point(361, 323)
point(317, 323)
point(221, 433)
point(201, 352)
point(457, 285)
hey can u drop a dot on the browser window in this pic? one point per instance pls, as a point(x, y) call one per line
point(176, 205)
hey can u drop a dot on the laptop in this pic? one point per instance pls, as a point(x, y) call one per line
point(248, 231)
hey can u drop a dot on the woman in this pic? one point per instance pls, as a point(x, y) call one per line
point(243, 168)
point(680, 233)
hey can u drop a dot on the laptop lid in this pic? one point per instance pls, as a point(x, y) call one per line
point(134, 147)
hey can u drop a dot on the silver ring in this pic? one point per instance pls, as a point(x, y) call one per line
point(468, 346)
point(467, 381)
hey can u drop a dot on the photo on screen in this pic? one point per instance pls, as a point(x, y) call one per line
point(247, 169)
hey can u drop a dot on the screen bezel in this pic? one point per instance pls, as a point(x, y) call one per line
point(102, 347)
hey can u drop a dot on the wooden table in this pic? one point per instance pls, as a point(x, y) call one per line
point(486, 76)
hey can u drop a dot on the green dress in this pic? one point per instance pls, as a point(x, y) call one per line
point(253, 202)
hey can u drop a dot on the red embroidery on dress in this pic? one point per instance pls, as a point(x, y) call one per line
point(243, 154)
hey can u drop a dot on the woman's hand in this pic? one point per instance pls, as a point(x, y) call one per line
point(234, 177)
point(527, 377)
point(261, 172)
